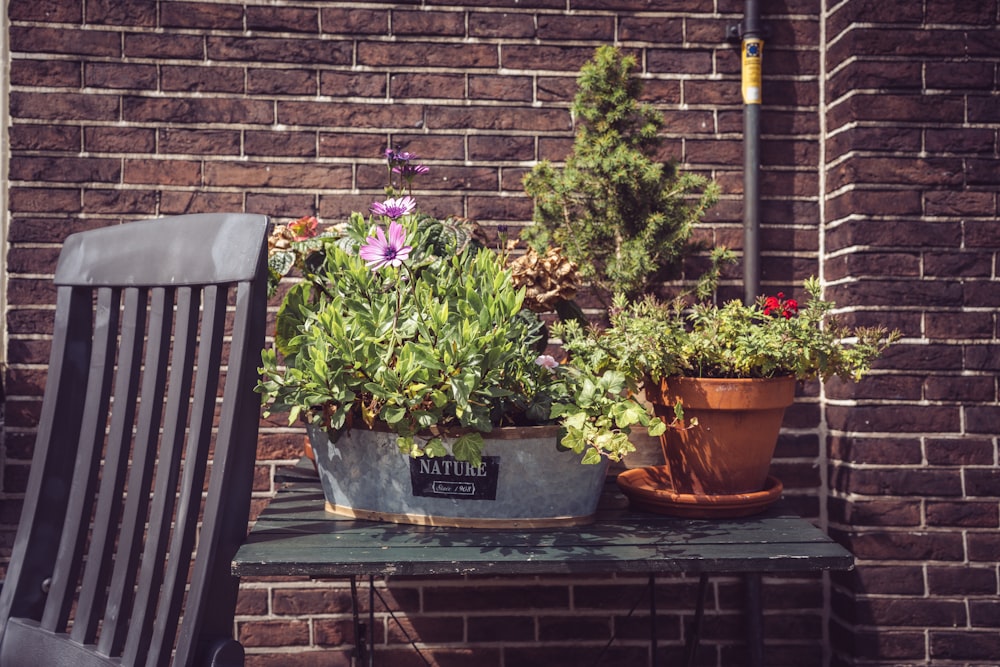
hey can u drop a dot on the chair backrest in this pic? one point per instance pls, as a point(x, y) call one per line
point(139, 490)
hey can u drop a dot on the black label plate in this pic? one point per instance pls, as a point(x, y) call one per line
point(444, 477)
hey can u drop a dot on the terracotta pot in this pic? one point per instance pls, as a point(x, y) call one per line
point(729, 450)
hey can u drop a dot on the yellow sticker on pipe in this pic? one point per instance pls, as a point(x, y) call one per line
point(753, 56)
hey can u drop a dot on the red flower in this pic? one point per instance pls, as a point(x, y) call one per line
point(775, 306)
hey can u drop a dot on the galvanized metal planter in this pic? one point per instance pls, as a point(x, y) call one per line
point(525, 481)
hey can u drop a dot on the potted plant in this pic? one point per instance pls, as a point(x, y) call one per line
point(406, 332)
point(722, 376)
point(625, 217)
point(616, 209)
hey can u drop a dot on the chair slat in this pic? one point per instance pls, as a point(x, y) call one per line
point(90, 441)
point(47, 495)
point(193, 479)
point(164, 497)
point(114, 628)
point(101, 552)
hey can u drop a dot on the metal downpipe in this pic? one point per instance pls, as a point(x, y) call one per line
point(752, 54)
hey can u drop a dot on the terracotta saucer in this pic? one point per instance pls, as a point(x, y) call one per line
point(649, 489)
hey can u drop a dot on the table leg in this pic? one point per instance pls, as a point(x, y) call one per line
point(360, 640)
point(754, 619)
point(371, 620)
point(694, 631)
point(652, 619)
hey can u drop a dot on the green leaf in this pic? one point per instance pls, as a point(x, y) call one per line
point(393, 414)
point(435, 448)
point(469, 447)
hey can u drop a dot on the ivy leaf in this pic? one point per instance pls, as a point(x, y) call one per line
point(469, 447)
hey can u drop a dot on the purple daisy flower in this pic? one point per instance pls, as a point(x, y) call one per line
point(410, 170)
point(394, 208)
point(380, 251)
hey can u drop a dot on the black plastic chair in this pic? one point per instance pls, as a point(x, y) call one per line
point(139, 491)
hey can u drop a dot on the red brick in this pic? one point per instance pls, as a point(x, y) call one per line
point(666, 30)
point(983, 357)
point(117, 75)
point(202, 79)
point(501, 25)
point(889, 646)
point(982, 482)
point(904, 546)
point(959, 140)
point(65, 169)
point(422, 84)
point(984, 547)
point(119, 140)
point(122, 12)
point(282, 19)
point(45, 73)
point(274, 633)
point(340, 84)
point(959, 389)
point(965, 514)
point(961, 580)
point(347, 144)
point(985, 613)
point(982, 108)
point(54, 11)
point(153, 172)
point(72, 41)
point(282, 81)
point(983, 12)
point(382, 54)
point(41, 200)
point(912, 482)
point(509, 88)
point(427, 23)
point(179, 202)
point(499, 208)
point(201, 15)
point(891, 580)
point(428, 629)
point(959, 451)
point(124, 202)
point(560, 90)
point(64, 106)
point(285, 144)
point(580, 27)
point(501, 148)
point(967, 645)
point(355, 21)
point(960, 325)
point(201, 142)
point(152, 45)
point(876, 512)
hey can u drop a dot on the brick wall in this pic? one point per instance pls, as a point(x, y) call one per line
point(911, 238)
point(882, 180)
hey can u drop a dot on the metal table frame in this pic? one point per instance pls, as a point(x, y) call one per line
point(295, 536)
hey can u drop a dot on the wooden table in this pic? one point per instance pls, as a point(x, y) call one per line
point(295, 536)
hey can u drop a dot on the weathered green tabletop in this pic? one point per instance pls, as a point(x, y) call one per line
point(296, 536)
